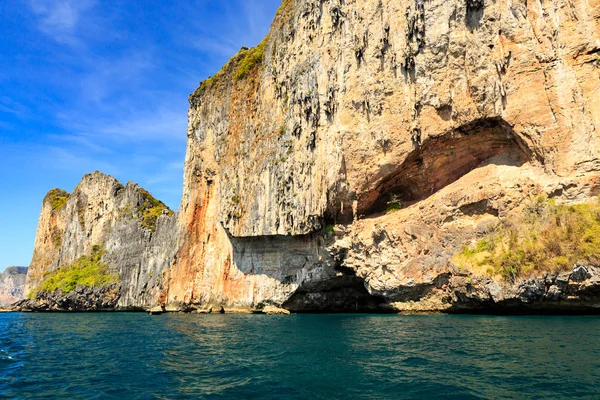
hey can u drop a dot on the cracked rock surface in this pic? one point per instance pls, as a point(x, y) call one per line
point(460, 110)
point(455, 112)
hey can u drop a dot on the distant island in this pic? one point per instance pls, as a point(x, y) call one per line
point(12, 283)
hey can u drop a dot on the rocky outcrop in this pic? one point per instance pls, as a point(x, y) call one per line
point(134, 231)
point(574, 291)
point(342, 163)
point(270, 310)
point(83, 298)
point(455, 111)
point(12, 283)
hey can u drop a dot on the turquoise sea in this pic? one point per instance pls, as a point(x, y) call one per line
point(178, 356)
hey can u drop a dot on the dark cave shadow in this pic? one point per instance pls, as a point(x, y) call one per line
point(444, 159)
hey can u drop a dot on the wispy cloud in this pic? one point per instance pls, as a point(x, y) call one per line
point(49, 157)
point(13, 107)
point(169, 169)
point(104, 77)
point(160, 124)
point(214, 46)
point(80, 142)
point(60, 18)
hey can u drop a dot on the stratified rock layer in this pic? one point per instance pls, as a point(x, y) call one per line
point(459, 110)
point(12, 283)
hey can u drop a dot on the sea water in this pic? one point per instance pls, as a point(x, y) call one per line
point(185, 356)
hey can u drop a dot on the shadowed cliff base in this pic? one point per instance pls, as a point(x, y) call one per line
point(521, 309)
point(345, 293)
point(302, 262)
point(588, 304)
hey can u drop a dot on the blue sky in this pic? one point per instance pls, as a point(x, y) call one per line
point(102, 85)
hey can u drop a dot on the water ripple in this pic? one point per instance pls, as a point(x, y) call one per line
point(135, 356)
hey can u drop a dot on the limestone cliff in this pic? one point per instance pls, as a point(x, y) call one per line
point(457, 112)
point(125, 225)
point(388, 155)
point(12, 283)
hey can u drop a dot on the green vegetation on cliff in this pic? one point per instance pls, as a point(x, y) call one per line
point(238, 67)
point(87, 271)
point(57, 198)
point(246, 60)
point(393, 204)
point(150, 210)
point(251, 58)
point(546, 238)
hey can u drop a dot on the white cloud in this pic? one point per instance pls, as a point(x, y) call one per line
point(60, 18)
point(216, 46)
point(107, 76)
point(11, 106)
point(166, 125)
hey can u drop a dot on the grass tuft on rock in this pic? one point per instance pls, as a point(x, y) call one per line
point(329, 229)
point(150, 209)
point(394, 204)
point(57, 198)
point(88, 271)
point(238, 68)
point(246, 60)
point(251, 59)
point(545, 238)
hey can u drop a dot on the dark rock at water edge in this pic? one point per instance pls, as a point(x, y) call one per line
point(81, 299)
point(575, 292)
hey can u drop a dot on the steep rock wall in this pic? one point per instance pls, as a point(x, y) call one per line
point(346, 105)
point(135, 231)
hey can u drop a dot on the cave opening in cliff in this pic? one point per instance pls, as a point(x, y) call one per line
point(345, 293)
point(442, 160)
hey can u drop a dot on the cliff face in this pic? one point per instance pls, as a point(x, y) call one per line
point(130, 230)
point(368, 155)
point(455, 112)
point(12, 283)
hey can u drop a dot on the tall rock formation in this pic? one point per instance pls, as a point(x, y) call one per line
point(458, 110)
point(132, 230)
point(12, 283)
point(360, 158)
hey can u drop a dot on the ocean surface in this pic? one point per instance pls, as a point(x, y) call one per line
point(137, 356)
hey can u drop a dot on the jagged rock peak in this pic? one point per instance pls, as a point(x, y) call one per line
point(125, 223)
point(14, 271)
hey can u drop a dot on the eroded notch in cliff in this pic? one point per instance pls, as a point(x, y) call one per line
point(442, 160)
point(344, 293)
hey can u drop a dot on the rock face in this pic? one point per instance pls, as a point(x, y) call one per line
point(12, 283)
point(81, 299)
point(450, 113)
point(460, 110)
point(135, 231)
